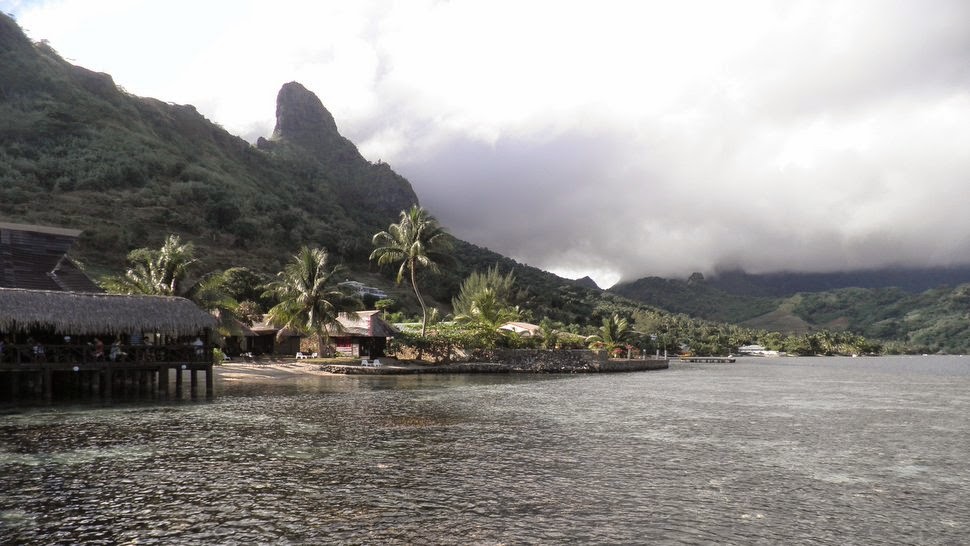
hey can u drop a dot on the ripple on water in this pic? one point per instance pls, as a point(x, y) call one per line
point(758, 452)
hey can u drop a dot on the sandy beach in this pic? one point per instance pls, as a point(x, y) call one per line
point(282, 369)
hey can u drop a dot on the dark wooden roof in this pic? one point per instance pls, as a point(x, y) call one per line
point(35, 258)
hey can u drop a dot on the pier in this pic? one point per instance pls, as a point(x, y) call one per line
point(141, 373)
point(709, 359)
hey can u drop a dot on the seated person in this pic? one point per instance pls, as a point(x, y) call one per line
point(116, 353)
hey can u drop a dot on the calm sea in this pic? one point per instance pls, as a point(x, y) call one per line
point(763, 451)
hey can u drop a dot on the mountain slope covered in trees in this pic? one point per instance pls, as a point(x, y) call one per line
point(76, 151)
point(928, 321)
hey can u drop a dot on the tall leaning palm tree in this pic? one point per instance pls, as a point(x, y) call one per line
point(417, 241)
point(309, 300)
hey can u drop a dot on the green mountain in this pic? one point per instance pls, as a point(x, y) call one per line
point(929, 321)
point(76, 151)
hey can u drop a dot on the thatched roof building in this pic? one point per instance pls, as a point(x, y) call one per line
point(91, 313)
point(362, 324)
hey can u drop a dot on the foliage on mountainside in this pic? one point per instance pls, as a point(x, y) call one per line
point(695, 297)
point(77, 151)
point(788, 283)
point(932, 321)
point(936, 320)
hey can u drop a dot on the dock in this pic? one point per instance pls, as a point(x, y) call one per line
point(73, 378)
point(709, 359)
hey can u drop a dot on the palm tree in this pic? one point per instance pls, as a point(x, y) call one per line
point(486, 312)
point(165, 272)
point(611, 335)
point(417, 241)
point(476, 283)
point(308, 299)
point(156, 272)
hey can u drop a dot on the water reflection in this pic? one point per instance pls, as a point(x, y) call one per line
point(764, 451)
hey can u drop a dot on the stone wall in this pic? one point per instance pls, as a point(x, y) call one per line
point(518, 361)
point(545, 361)
point(580, 361)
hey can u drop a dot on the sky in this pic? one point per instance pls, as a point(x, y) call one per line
point(615, 139)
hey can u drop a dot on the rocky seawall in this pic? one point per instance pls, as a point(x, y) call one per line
point(514, 361)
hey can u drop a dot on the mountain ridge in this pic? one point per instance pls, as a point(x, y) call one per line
point(79, 152)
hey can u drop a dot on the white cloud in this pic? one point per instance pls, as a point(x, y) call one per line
point(621, 138)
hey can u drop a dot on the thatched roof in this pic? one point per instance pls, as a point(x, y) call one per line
point(91, 314)
point(363, 324)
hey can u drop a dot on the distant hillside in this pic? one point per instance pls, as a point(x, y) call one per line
point(931, 320)
point(913, 280)
point(694, 297)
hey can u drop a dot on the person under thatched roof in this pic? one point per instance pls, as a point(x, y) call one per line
point(75, 313)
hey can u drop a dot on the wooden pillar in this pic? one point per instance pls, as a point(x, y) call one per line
point(47, 379)
point(178, 382)
point(107, 382)
point(163, 380)
point(209, 381)
point(194, 379)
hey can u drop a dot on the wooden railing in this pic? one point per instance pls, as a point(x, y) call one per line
point(86, 354)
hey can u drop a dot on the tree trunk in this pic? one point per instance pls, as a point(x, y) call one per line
point(424, 309)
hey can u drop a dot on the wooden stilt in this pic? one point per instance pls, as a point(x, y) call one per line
point(48, 381)
point(107, 381)
point(209, 381)
point(163, 380)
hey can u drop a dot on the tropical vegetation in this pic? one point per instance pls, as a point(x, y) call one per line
point(309, 300)
point(169, 271)
point(416, 242)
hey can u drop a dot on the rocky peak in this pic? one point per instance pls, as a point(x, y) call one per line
point(587, 282)
point(301, 116)
point(303, 120)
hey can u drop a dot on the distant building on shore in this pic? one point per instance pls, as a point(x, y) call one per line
point(756, 350)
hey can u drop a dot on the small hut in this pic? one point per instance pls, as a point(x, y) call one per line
point(363, 333)
point(262, 338)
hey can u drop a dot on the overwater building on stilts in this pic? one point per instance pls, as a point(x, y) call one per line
point(60, 336)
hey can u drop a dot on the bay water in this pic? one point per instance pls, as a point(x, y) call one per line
point(762, 451)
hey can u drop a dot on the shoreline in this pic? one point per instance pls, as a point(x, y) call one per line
point(286, 369)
